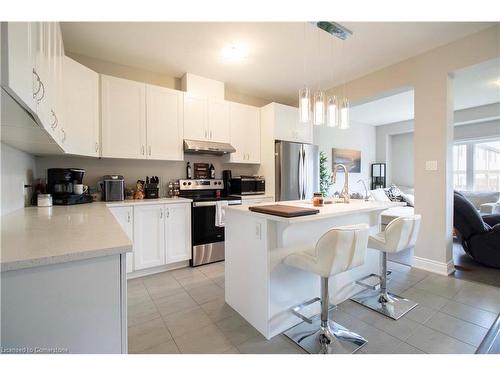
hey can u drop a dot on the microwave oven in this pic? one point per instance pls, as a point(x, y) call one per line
point(248, 185)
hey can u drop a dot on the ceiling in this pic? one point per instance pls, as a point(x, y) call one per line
point(472, 87)
point(277, 51)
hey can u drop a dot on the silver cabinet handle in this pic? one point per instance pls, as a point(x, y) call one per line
point(42, 86)
point(161, 213)
point(128, 217)
point(56, 121)
point(37, 78)
point(149, 147)
point(205, 133)
point(142, 149)
point(97, 148)
point(168, 212)
point(210, 134)
point(64, 135)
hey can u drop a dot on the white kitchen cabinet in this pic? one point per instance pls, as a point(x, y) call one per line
point(164, 120)
point(178, 232)
point(206, 119)
point(149, 236)
point(125, 217)
point(287, 126)
point(256, 200)
point(81, 98)
point(195, 118)
point(218, 121)
point(245, 133)
point(18, 78)
point(123, 118)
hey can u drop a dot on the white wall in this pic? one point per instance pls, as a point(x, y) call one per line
point(358, 137)
point(17, 170)
point(401, 165)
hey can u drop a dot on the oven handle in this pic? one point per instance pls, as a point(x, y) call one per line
point(212, 203)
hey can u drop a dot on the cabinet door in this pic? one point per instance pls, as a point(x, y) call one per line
point(195, 118)
point(21, 49)
point(81, 97)
point(124, 216)
point(123, 118)
point(286, 120)
point(238, 114)
point(178, 232)
point(218, 121)
point(164, 123)
point(253, 136)
point(149, 236)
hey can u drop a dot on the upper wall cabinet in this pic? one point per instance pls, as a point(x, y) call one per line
point(123, 118)
point(206, 119)
point(81, 88)
point(164, 119)
point(245, 133)
point(32, 69)
point(140, 121)
point(287, 126)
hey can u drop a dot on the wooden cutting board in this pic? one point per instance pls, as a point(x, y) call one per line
point(283, 210)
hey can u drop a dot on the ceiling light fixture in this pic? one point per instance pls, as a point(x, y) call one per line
point(337, 110)
point(234, 53)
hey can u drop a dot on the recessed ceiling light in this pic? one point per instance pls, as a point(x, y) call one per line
point(234, 53)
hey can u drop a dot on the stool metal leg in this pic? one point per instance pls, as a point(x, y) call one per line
point(325, 336)
point(383, 301)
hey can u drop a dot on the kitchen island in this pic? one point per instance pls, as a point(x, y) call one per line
point(260, 287)
point(63, 281)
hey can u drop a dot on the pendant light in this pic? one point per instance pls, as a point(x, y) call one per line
point(304, 93)
point(332, 108)
point(319, 96)
point(344, 114)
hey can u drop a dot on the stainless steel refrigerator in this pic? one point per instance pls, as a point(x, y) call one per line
point(297, 170)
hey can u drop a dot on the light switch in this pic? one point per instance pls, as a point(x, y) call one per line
point(431, 165)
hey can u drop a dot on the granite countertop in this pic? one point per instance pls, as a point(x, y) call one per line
point(37, 236)
point(325, 212)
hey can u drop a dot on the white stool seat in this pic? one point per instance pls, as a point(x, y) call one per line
point(400, 234)
point(337, 251)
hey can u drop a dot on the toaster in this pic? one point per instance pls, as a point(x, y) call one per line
point(113, 188)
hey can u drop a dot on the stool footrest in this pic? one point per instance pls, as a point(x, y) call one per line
point(369, 286)
point(295, 310)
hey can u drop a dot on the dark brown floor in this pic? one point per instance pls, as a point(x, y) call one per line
point(468, 269)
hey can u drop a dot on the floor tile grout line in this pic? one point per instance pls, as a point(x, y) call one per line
point(463, 320)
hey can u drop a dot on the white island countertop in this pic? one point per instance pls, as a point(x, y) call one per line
point(37, 236)
point(325, 212)
point(138, 202)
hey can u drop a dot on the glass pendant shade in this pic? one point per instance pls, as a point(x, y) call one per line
point(319, 108)
point(332, 112)
point(304, 105)
point(344, 114)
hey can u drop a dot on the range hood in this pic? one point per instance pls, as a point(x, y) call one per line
point(204, 147)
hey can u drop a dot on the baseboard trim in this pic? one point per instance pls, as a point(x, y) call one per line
point(158, 269)
point(434, 266)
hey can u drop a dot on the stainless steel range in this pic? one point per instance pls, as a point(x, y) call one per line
point(207, 235)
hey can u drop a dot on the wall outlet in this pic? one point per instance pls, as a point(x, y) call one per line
point(431, 165)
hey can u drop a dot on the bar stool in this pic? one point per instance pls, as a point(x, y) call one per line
point(400, 234)
point(337, 251)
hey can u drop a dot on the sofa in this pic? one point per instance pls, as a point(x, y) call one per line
point(479, 234)
point(486, 202)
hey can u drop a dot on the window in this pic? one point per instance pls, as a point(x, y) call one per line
point(476, 166)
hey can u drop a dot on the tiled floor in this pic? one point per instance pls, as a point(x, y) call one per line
point(183, 311)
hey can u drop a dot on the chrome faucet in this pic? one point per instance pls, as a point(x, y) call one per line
point(345, 190)
point(366, 189)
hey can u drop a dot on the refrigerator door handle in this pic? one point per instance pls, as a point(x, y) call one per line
point(300, 179)
point(306, 174)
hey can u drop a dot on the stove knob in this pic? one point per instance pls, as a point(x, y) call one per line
point(184, 183)
point(189, 183)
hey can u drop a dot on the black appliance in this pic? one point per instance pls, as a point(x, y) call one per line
point(207, 238)
point(248, 185)
point(113, 188)
point(152, 190)
point(60, 184)
point(226, 179)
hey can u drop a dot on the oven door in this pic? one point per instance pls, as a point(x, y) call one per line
point(208, 239)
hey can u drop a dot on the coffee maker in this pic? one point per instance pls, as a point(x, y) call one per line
point(226, 177)
point(60, 184)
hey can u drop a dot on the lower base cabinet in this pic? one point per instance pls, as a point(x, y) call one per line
point(161, 233)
